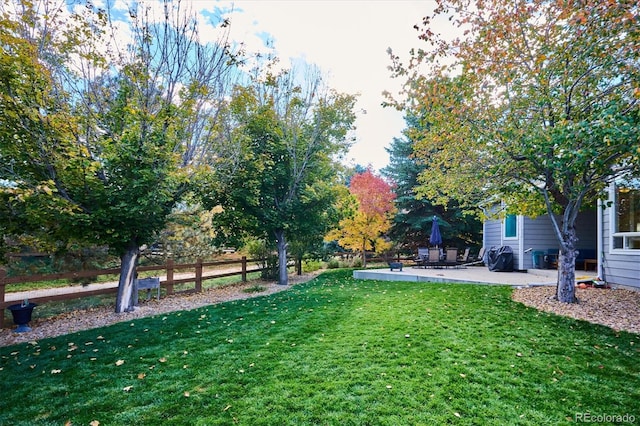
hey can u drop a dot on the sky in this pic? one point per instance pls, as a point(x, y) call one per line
point(348, 40)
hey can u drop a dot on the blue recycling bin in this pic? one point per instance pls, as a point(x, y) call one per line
point(538, 260)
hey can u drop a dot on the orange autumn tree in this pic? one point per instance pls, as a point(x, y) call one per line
point(365, 229)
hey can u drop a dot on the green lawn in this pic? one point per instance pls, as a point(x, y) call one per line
point(334, 351)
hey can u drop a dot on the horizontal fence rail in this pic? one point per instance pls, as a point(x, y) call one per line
point(174, 274)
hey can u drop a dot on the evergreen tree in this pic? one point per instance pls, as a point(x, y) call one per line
point(412, 224)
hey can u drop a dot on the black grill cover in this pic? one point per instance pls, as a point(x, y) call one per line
point(500, 259)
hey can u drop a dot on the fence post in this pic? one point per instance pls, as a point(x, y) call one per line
point(3, 275)
point(244, 269)
point(169, 283)
point(199, 275)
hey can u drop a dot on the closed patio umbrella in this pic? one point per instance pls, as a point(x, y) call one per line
point(435, 238)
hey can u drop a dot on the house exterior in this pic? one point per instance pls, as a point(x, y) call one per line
point(608, 237)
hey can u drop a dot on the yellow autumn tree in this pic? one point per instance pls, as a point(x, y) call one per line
point(366, 229)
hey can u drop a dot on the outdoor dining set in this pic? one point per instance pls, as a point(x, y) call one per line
point(434, 258)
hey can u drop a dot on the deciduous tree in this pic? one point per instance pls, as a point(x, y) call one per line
point(534, 103)
point(289, 129)
point(107, 136)
point(366, 228)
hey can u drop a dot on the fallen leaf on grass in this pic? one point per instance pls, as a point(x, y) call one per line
point(127, 388)
point(56, 371)
point(120, 362)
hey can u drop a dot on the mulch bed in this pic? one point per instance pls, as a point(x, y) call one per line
point(618, 309)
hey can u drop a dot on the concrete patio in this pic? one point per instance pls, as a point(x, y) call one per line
point(469, 275)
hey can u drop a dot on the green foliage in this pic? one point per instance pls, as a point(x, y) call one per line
point(537, 105)
point(333, 263)
point(263, 251)
point(346, 351)
point(258, 249)
point(96, 151)
point(544, 127)
point(285, 139)
point(311, 265)
point(189, 234)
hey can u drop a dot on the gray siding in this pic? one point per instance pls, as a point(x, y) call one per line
point(494, 237)
point(537, 235)
point(587, 229)
point(492, 234)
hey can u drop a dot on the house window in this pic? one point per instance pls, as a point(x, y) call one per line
point(626, 216)
point(510, 226)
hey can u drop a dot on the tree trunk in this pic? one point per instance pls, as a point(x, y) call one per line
point(128, 265)
point(566, 290)
point(299, 266)
point(283, 276)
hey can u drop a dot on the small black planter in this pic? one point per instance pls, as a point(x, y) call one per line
point(21, 316)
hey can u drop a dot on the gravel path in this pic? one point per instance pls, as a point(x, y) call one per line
point(618, 309)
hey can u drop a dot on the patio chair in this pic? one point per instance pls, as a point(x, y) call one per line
point(451, 258)
point(476, 260)
point(465, 256)
point(422, 257)
point(434, 258)
point(463, 259)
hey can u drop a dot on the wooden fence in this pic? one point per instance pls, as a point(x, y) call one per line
point(170, 269)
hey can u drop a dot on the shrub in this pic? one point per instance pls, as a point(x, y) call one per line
point(333, 263)
point(311, 265)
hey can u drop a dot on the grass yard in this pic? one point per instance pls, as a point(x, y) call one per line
point(334, 351)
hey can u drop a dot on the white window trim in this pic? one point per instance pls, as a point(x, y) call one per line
point(613, 224)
